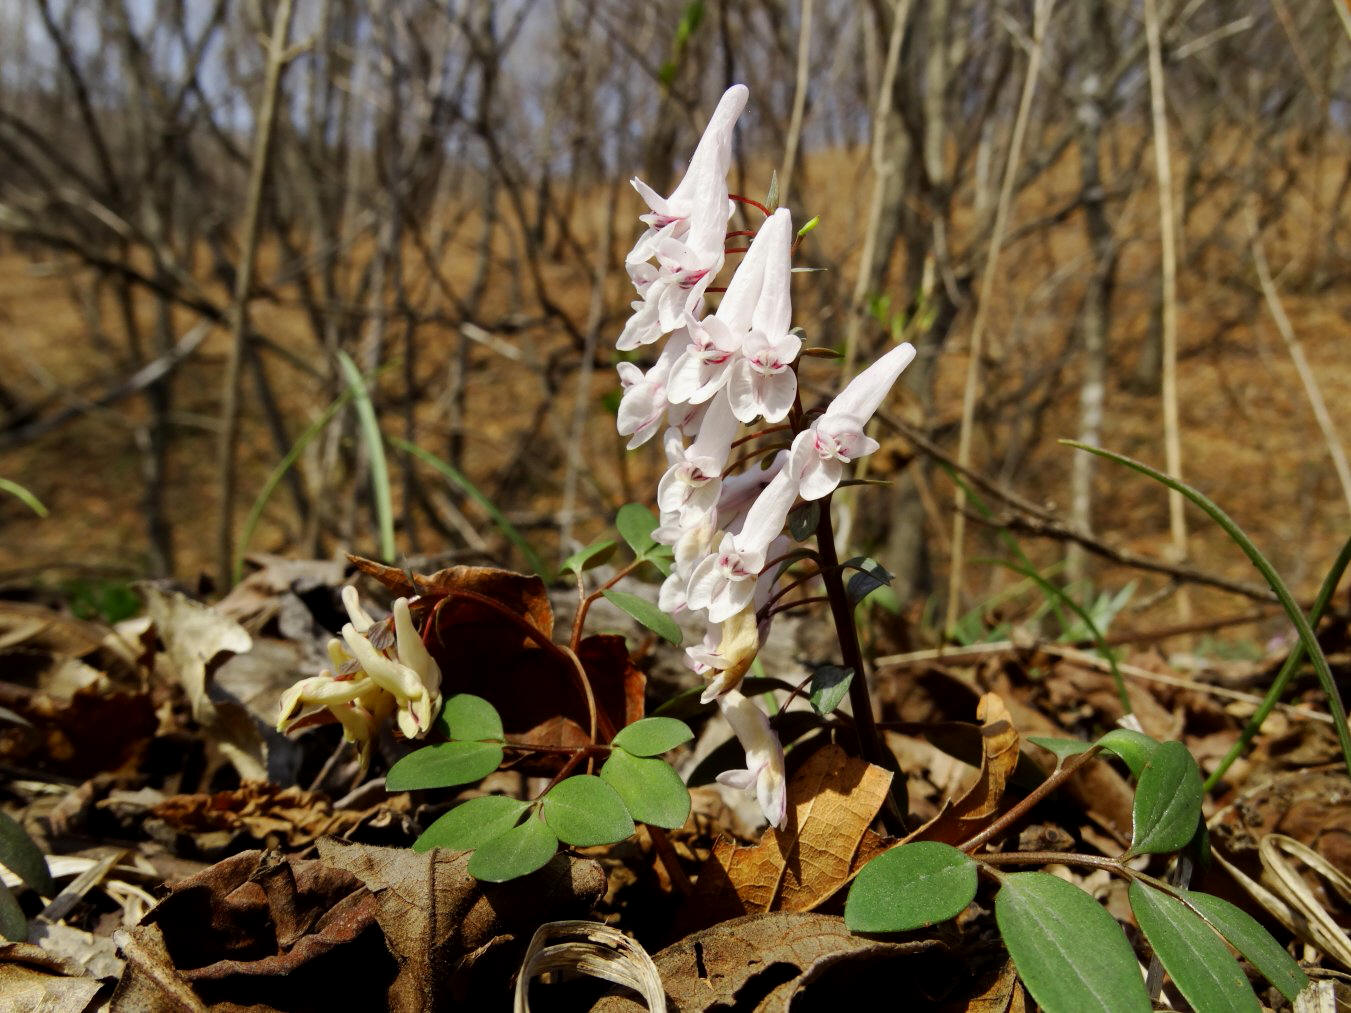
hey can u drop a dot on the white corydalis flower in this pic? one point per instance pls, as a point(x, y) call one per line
point(643, 404)
point(765, 770)
point(756, 300)
point(692, 483)
point(724, 582)
point(761, 381)
point(836, 438)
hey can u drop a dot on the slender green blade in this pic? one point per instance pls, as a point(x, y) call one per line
point(499, 519)
point(585, 811)
point(1071, 954)
point(1191, 952)
point(24, 495)
point(910, 887)
point(646, 613)
point(518, 852)
point(22, 857)
point(375, 450)
point(1167, 804)
point(651, 789)
point(1247, 936)
point(636, 523)
point(444, 765)
point(465, 716)
point(653, 736)
point(13, 925)
point(1319, 660)
point(472, 824)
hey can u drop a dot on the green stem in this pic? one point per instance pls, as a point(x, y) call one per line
point(1273, 579)
point(1287, 671)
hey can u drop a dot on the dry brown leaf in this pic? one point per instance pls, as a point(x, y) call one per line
point(193, 634)
point(999, 744)
point(458, 940)
point(831, 801)
point(1003, 995)
point(763, 961)
point(33, 979)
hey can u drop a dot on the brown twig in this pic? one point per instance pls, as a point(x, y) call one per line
point(1058, 777)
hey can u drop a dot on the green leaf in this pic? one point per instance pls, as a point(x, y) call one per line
point(811, 224)
point(1062, 749)
point(636, 523)
point(829, 685)
point(375, 453)
point(518, 852)
point(443, 765)
point(910, 887)
point(870, 577)
point(593, 555)
point(651, 736)
point(466, 716)
point(13, 925)
point(1167, 801)
point(1135, 748)
point(1191, 952)
point(584, 810)
point(646, 613)
point(651, 789)
point(802, 520)
point(22, 857)
point(472, 824)
point(1247, 936)
point(1071, 954)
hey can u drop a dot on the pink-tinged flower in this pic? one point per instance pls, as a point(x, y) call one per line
point(752, 300)
point(836, 438)
point(724, 582)
point(762, 381)
point(692, 483)
point(697, 209)
point(765, 770)
point(644, 404)
point(739, 491)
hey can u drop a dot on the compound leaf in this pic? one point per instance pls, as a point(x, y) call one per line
point(646, 613)
point(472, 824)
point(584, 810)
point(650, 788)
point(518, 852)
point(652, 736)
point(444, 765)
point(466, 716)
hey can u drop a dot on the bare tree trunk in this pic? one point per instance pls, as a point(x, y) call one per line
point(239, 315)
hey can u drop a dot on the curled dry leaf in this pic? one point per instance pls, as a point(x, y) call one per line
point(832, 799)
point(764, 961)
point(593, 949)
point(961, 819)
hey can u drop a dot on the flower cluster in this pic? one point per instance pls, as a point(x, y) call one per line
point(367, 684)
point(716, 372)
